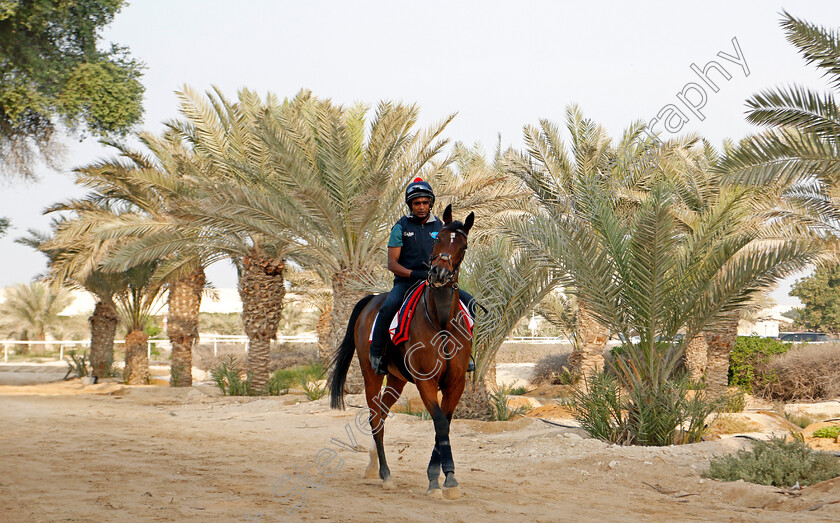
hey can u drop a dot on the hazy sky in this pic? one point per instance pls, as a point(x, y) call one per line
point(499, 65)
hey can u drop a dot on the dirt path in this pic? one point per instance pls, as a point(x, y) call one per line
point(156, 454)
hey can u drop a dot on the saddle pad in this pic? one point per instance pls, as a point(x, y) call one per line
point(401, 322)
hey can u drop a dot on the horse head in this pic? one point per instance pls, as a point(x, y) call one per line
point(449, 249)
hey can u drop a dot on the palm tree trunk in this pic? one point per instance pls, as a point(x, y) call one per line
point(589, 359)
point(184, 303)
point(490, 376)
point(325, 339)
point(696, 357)
point(262, 289)
point(343, 302)
point(103, 328)
point(720, 339)
point(136, 358)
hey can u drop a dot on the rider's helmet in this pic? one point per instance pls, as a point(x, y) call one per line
point(417, 189)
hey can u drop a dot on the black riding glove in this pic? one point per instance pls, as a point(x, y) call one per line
point(419, 274)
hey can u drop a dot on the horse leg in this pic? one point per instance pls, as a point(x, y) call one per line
point(385, 400)
point(442, 453)
point(373, 389)
point(451, 396)
point(433, 473)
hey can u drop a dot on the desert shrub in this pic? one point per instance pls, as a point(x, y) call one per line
point(776, 462)
point(77, 365)
point(312, 390)
point(731, 425)
point(232, 380)
point(500, 406)
point(228, 376)
point(204, 359)
point(827, 432)
point(598, 407)
point(748, 353)
point(517, 391)
point(807, 372)
point(554, 370)
point(648, 413)
point(800, 420)
point(734, 402)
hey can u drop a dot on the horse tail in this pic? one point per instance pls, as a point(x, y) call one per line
point(343, 357)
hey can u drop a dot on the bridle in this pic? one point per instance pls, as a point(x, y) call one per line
point(445, 256)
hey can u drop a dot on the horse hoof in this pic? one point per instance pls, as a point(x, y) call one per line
point(389, 484)
point(434, 493)
point(452, 492)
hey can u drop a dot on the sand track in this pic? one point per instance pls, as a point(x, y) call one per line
point(108, 452)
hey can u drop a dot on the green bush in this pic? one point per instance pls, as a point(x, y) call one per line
point(648, 414)
point(500, 406)
point(827, 432)
point(228, 377)
point(776, 462)
point(77, 365)
point(748, 353)
point(598, 407)
point(517, 391)
point(734, 402)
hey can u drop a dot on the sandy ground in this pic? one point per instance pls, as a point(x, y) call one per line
point(113, 453)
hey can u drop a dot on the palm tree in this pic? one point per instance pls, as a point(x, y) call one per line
point(806, 123)
point(651, 274)
point(103, 286)
point(797, 157)
point(314, 178)
point(228, 154)
point(561, 311)
point(553, 176)
point(509, 284)
point(151, 186)
point(32, 311)
point(136, 307)
point(796, 161)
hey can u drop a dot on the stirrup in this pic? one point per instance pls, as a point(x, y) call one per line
point(377, 364)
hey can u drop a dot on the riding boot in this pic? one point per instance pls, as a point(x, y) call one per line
point(378, 363)
point(471, 366)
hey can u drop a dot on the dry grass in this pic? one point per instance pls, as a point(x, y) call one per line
point(807, 372)
point(732, 425)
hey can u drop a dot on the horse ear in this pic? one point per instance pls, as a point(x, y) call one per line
point(468, 223)
point(447, 215)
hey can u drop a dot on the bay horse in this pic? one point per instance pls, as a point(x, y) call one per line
point(435, 357)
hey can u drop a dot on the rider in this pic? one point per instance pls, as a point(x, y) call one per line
point(409, 249)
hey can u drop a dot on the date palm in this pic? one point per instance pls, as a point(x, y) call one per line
point(317, 173)
point(149, 185)
point(553, 175)
point(227, 154)
point(101, 285)
point(797, 156)
point(31, 311)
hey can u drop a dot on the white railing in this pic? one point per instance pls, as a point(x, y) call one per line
point(215, 339)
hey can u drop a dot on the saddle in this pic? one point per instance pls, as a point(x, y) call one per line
point(401, 322)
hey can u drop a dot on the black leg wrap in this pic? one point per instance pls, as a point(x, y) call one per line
point(433, 472)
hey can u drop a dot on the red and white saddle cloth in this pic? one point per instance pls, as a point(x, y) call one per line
point(402, 320)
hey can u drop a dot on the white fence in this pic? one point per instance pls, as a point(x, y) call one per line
point(164, 343)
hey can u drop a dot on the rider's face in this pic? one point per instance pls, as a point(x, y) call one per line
point(420, 207)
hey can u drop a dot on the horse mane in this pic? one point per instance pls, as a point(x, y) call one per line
point(454, 225)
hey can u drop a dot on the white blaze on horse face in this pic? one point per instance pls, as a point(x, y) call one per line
point(451, 237)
